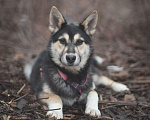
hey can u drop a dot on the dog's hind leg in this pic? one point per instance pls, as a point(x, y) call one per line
point(103, 80)
point(53, 101)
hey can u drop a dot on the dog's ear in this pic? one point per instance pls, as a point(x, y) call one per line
point(90, 23)
point(55, 20)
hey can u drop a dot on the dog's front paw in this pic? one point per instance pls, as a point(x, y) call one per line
point(55, 113)
point(58, 114)
point(93, 112)
point(118, 87)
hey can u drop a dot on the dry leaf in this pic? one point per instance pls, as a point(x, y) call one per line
point(5, 93)
point(21, 103)
point(128, 98)
point(68, 116)
point(18, 56)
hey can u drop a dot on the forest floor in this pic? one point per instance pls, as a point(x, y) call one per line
point(130, 51)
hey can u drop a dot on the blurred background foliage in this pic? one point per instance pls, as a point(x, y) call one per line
point(24, 23)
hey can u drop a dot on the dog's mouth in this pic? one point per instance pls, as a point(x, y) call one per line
point(70, 60)
point(70, 64)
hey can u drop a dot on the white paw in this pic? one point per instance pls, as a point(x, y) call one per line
point(93, 112)
point(56, 113)
point(118, 87)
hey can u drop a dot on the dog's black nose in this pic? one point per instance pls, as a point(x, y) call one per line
point(70, 58)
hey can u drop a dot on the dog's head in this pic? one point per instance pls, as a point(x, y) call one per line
point(70, 44)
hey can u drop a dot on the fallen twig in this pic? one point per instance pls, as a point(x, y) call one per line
point(108, 118)
point(109, 107)
point(39, 114)
point(20, 97)
point(125, 103)
point(141, 82)
point(21, 89)
point(39, 99)
point(42, 110)
point(18, 93)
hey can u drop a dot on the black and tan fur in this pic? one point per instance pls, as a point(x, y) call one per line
point(70, 50)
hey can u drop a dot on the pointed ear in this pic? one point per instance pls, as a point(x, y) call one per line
point(55, 20)
point(90, 23)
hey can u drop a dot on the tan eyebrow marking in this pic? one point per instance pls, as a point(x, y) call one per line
point(76, 37)
point(61, 37)
point(66, 36)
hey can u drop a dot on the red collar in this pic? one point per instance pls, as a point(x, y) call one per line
point(65, 77)
point(75, 85)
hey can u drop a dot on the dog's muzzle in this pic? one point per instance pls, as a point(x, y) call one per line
point(70, 59)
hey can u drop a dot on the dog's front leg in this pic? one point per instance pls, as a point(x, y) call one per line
point(92, 104)
point(53, 101)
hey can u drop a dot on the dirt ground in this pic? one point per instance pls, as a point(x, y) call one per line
point(124, 45)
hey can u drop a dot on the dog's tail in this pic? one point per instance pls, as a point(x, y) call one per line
point(28, 69)
point(97, 60)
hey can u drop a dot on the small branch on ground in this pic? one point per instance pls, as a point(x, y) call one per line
point(20, 97)
point(141, 82)
point(125, 103)
point(21, 89)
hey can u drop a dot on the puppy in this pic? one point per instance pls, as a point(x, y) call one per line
point(64, 72)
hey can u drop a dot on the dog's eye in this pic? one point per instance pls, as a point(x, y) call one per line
point(79, 42)
point(62, 41)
